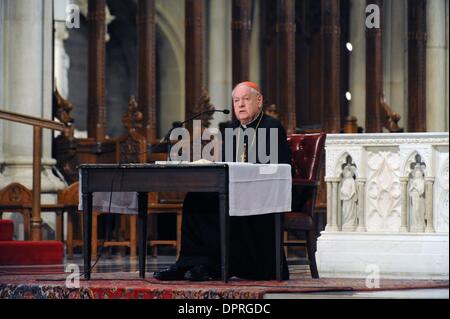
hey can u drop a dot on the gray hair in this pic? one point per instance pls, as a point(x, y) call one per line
point(251, 90)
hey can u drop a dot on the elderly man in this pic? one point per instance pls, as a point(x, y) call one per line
point(252, 238)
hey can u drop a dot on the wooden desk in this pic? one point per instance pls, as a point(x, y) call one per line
point(144, 178)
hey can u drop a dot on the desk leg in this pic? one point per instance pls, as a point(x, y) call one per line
point(224, 235)
point(278, 245)
point(142, 231)
point(87, 229)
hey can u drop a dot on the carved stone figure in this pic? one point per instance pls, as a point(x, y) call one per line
point(417, 195)
point(349, 198)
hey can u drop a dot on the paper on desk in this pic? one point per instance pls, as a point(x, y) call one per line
point(199, 162)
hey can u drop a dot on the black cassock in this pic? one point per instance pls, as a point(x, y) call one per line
point(252, 238)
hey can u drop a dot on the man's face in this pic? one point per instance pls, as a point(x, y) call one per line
point(247, 104)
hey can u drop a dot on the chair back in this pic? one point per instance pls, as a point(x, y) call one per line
point(307, 150)
point(15, 194)
point(306, 155)
point(69, 196)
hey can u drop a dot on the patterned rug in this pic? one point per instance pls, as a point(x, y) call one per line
point(124, 285)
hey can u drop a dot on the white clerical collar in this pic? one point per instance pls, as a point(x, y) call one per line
point(254, 119)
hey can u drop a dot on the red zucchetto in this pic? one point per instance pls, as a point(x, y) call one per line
point(252, 85)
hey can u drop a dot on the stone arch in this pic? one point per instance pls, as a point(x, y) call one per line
point(410, 160)
point(344, 158)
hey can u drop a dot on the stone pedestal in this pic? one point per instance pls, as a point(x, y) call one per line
point(418, 256)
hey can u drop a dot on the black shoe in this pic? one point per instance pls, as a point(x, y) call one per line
point(171, 273)
point(200, 273)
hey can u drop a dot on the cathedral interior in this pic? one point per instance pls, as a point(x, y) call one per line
point(109, 78)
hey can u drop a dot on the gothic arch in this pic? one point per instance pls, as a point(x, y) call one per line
point(342, 159)
point(406, 169)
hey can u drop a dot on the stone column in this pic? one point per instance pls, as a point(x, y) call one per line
point(194, 55)
point(357, 61)
point(447, 4)
point(374, 73)
point(27, 88)
point(361, 184)
point(286, 64)
point(62, 61)
point(417, 39)
point(404, 205)
point(329, 206)
point(435, 66)
point(429, 181)
point(219, 84)
point(96, 112)
point(331, 37)
point(388, 16)
point(241, 27)
point(3, 180)
point(336, 204)
point(147, 66)
point(394, 45)
point(256, 44)
point(332, 204)
point(339, 206)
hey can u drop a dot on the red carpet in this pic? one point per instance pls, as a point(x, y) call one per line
point(129, 286)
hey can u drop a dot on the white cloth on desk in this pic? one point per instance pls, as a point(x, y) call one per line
point(254, 189)
point(257, 189)
point(121, 203)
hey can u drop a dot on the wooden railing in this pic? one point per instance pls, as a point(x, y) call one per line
point(38, 124)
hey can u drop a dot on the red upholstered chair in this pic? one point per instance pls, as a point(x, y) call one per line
point(307, 150)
